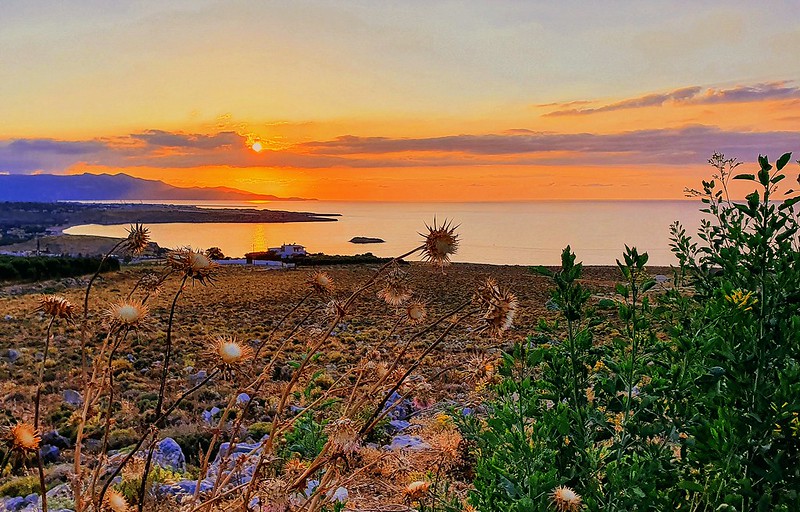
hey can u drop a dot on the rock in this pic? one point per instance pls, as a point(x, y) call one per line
point(169, 455)
point(12, 355)
point(401, 411)
point(50, 454)
point(13, 504)
point(186, 487)
point(341, 495)
point(242, 460)
point(72, 397)
point(208, 415)
point(243, 398)
point(53, 438)
point(661, 278)
point(366, 240)
point(61, 491)
point(198, 377)
point(396, 426)
point(407, 442)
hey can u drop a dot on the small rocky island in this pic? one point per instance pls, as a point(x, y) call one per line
point(366, 240)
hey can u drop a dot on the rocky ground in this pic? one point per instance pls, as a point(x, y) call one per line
point(247, 302)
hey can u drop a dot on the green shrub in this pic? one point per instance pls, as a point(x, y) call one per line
point(21, 486)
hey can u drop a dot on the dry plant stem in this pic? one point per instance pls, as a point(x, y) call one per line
point(405, 348)
point(84, 367)
point(42, 487)
point(41, 374)
point(147, 434)
point(160, 402)
point(372, 421)
point(377, 274)
point(107, 427)
point(276, 432)
point(214, 439)
point(256, 387)
point(89, 388)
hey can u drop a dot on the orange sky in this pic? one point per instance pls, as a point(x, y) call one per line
point(355, 101)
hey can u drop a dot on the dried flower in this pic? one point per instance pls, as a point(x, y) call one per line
point(321, 283)
point(565, 499)
point(343, 436)
point(415, 312)
point(193, 264)
point(56, 306)
point(501, 307)
point(441, 241)
point(417, 490)
point(228, 352)
point(115, 501)
point(24, 437)
point(138, 238)
point(151, 283)
point(395, 291)
point(126, 314)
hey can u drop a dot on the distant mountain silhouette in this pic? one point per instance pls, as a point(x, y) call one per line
point(108, 187)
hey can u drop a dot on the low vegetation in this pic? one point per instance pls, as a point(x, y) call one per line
point(365, 392)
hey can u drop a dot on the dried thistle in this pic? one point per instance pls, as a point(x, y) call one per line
point(227, 353)
point(441, 242)
point(115, 501)
point(565, 499)
point(395, 291)
point(321, 283)
point(23, 437)
point(56, 306)
point(415, 313)
point(126, 314)
point(193, 264)
point(501, 306)
point(343, 436)
point(151, 283)
point(416, 490)
point(138, 238)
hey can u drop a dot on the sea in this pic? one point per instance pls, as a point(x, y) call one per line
point(507, 233)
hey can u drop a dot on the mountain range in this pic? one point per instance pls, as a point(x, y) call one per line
point(114, 187)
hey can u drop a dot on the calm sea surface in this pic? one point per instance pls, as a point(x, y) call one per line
point(520, 233)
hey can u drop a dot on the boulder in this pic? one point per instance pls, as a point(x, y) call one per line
point(53, 438)
point(72, 397)
point(50, 454)
point(12, 355)
point(169, 455)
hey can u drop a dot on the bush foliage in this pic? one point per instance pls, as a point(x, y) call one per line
point(692, 405)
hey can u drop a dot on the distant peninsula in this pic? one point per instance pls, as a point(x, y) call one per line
point(114, 187)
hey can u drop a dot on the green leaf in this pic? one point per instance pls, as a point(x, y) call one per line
point(749, 177)
point(763, 161)
point(763, 177)
point(783, 160)
point(541, 270)
point(690, 486)
point(649, 284)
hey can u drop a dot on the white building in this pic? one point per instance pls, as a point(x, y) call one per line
point(289, 250)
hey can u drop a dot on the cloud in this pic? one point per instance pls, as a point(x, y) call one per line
point(691, 96)
point(175, 150)
point(683, 145)
point(182, 140)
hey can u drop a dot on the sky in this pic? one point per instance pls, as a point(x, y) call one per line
point(400, 101)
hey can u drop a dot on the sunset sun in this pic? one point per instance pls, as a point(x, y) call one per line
point(257, 147)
